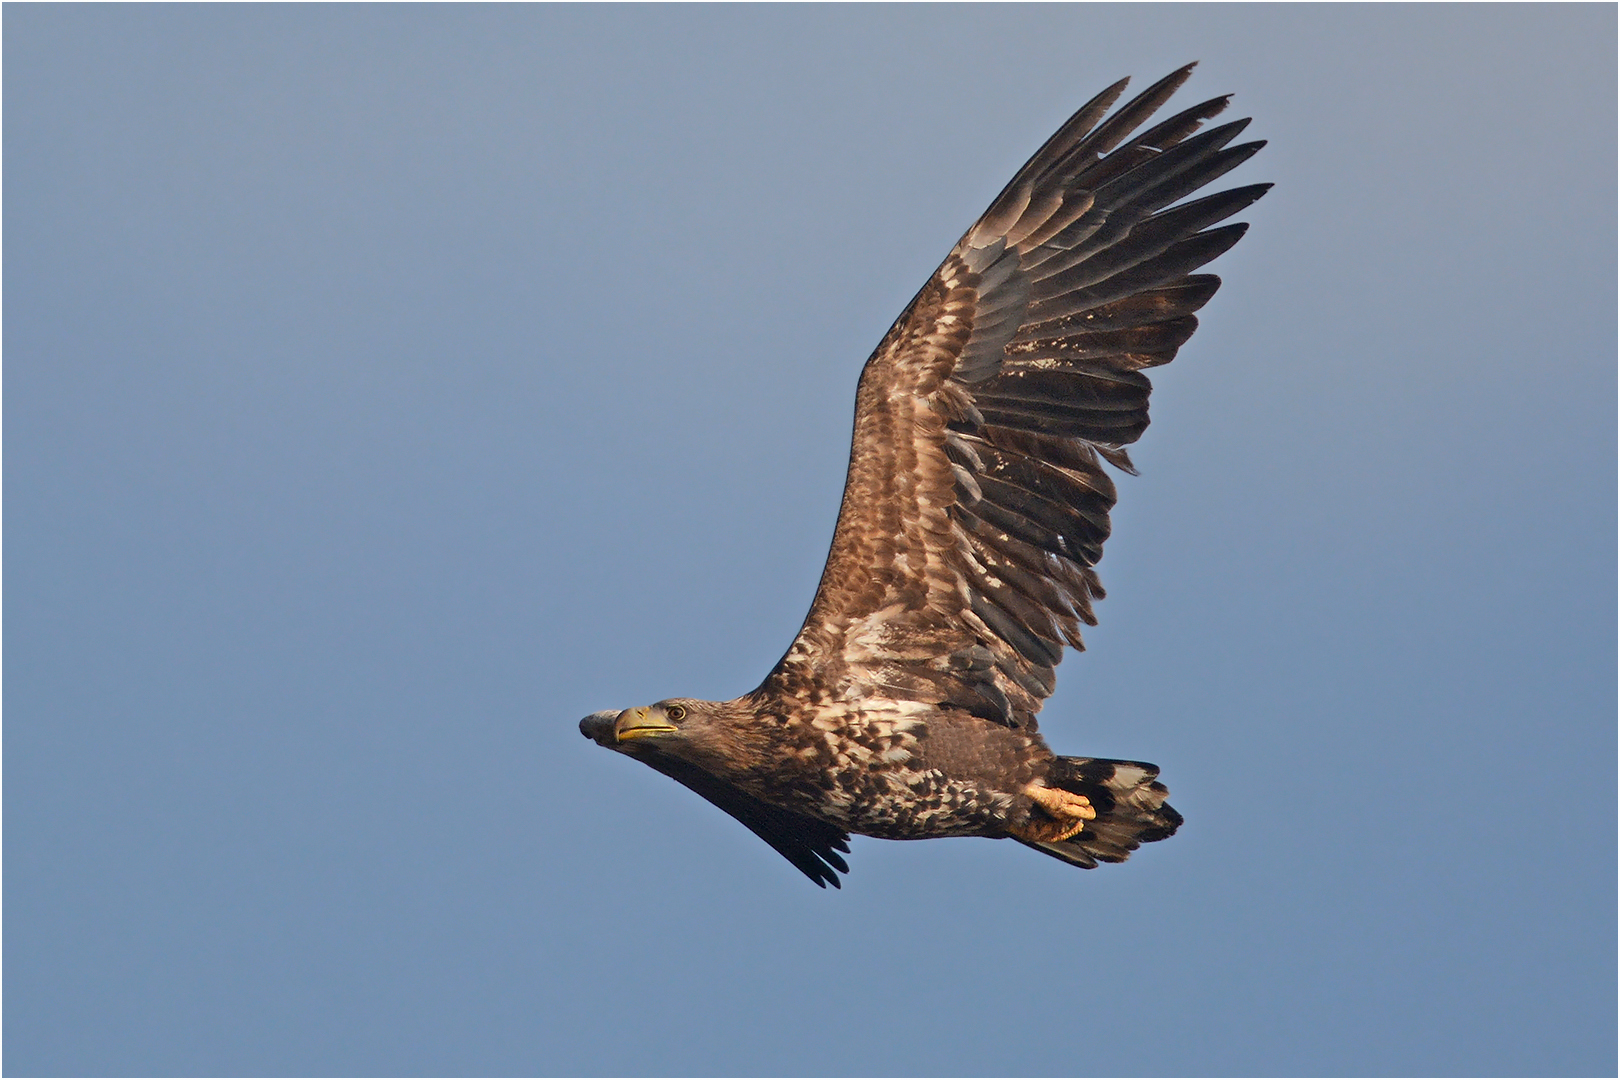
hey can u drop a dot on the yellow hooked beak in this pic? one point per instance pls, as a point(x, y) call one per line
point(641, 722)
point(610, 728)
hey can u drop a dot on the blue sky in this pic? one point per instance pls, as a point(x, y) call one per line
point(388, 387)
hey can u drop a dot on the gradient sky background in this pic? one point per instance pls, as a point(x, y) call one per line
point(388, 387)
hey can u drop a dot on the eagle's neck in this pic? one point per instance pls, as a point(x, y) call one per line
point(743, 739)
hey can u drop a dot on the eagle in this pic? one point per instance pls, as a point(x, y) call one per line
point(973, 517)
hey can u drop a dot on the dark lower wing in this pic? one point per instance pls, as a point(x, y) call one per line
point(811, 845)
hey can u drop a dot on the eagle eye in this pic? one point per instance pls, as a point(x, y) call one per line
point(677, 713)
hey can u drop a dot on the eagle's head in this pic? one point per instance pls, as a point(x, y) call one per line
point(703, 733)
point(614, 729)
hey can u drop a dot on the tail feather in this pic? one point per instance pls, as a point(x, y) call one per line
point(1130, 806)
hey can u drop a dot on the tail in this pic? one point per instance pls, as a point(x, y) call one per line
point(1130, 806)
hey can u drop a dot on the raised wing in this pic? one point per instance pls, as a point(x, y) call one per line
point(976, 505)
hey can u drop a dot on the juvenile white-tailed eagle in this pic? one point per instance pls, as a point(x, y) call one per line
point(974, 513)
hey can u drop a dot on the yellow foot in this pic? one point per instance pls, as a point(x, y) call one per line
point(1065, 814)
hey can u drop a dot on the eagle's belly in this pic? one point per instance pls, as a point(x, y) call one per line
point(900, 803)
point(911, 777)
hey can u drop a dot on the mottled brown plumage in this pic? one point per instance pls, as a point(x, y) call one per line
point(974, 514)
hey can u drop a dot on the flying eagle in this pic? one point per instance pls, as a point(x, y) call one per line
point(973, 517)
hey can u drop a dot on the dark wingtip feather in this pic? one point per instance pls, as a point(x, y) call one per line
point(1076, 128)
point(1118, 127)
point(1121, 460)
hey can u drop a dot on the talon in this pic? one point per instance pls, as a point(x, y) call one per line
point(1068, 813)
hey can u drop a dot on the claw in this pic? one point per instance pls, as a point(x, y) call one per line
point(1068, 813)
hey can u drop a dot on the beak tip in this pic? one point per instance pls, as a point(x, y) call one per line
point(599, 726)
